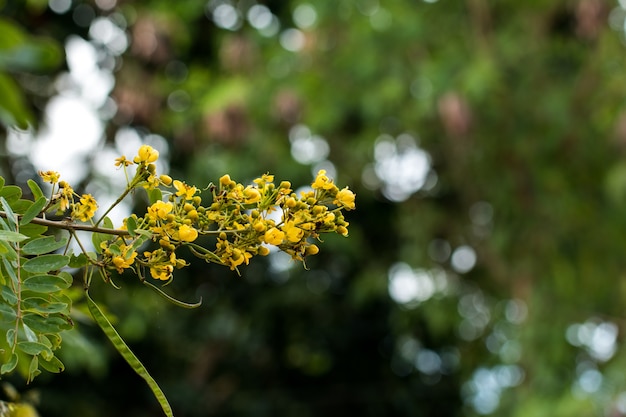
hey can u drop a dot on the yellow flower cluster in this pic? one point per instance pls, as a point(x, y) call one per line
point(244, 220)
point(63, 198)
point(245, 214)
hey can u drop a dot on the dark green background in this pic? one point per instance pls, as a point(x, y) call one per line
point(521, 108)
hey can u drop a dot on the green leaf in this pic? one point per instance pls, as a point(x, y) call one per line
point(1, 182)
point(9, 236)
point(7, 251)
point(63, 298)
point(33, 210)
point(30, 334)
point(33, 230)
point(11, 193)
point(107, 223)
point(8, 295)
point(21, 52)
point(78, 261)
point(7, 313)
point(20, 205)
point(33, 348)
point(137, 243)
point(131, 225)
point(53, 323)
point(43, 245)
point(10, 215)
point(67, 277)
point(35, 189)
point(55, 340)
point(14, 112)
point(115, 249)
point(41, 305)
point(33, 369)
point(53, 365)
point(46, 263)
point(127, 354)
point(10, 269)
point(45, 283)
point(11, 336)
point(10, 365)
point(98, 238)
point(154, 195)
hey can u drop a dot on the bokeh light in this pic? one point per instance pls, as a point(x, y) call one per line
point(401, 168)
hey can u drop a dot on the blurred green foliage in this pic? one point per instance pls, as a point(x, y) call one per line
point(21, 52)
point(520, 109)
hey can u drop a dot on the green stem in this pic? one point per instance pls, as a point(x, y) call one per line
point(119, 200)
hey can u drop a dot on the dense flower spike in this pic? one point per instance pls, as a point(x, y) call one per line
point(242, 219)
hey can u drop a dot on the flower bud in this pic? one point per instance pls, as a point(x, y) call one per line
point(311, 250)
point(342, 230)
point(259, 226)
point(291, 202)
point(225, 180)
point(193, 215)
point(165, 179)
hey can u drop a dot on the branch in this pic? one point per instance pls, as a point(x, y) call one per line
point(70, 225)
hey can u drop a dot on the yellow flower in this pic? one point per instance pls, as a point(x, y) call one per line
point(259, 225)
point(264, 179)
point(66, 195)
point(124, 262)
point(122, 161)
point(162, 272)
point(86, 209)
point(187, 233)
point(252, 195)
point(146, 154)
point(152, 182)
point(322, 182)
point(184, 190)
point(237, 257)
point(159, 210)
point(49, 176)
point(274, 236)
point(294, 234)
point(345, 198)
